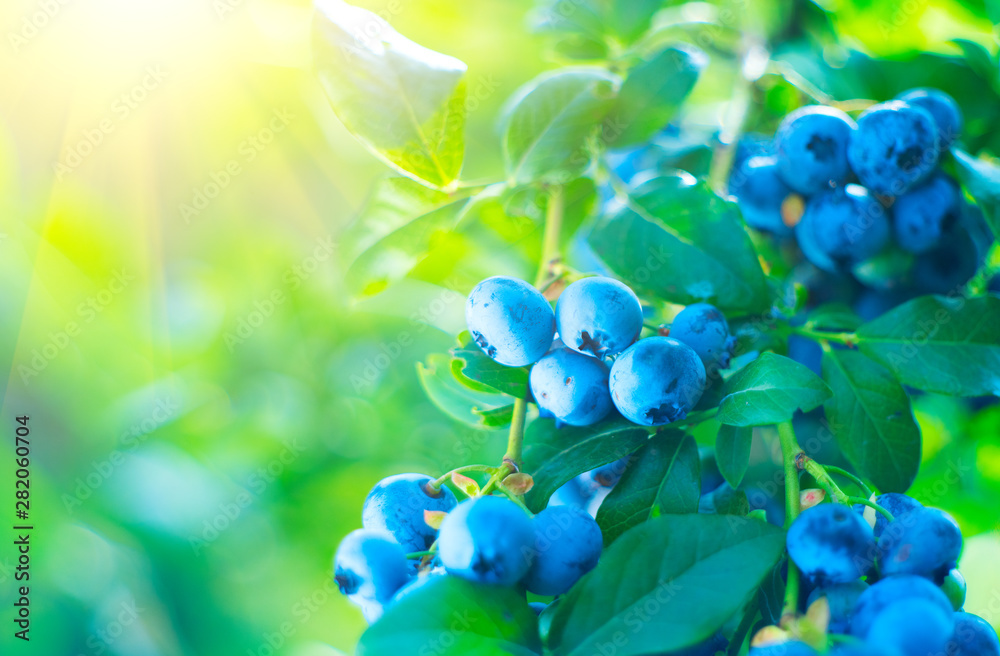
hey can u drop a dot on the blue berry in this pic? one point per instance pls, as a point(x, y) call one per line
point(598, 316)
point(789, 648)
point(369, 568)
point(924, 542)
point(417, 582)
point(973, 636)
point(487, 539)
point(915, 627)
point(898, 505)
point(573, 493)
point(760, 192)
point(811, 146)
point(396, 506)
point(888, 592)
point(571, 387)
point(841, 598)
point(841, 228)
point(863, 649)
point(949, 265)
point(894, 147)
point(942, 108)
point(831, 544)
point(923, 214)
point(537, 606)
point(703, 327)
point(656, 381)
point(608, 475)
point(568, 544)
point(510, 320)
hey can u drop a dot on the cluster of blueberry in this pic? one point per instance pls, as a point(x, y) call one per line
point(652, 381)
point(486, 539)
point(858, 192)
point(891, 587)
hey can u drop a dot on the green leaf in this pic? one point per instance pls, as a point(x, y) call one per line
point(449, 616)
point(625, 20)
point(871, 419)
point(553, 456)
point(981, 179)
point(769, 390)
point(552, 123)
point(676, 239)
point(724, 500)
point(495, 417)
point(651, 95)
point(477, 371)
point(665, 585)
point(662, 478)
point(939, 344)
point(732, 452)
point(478, 409)
point(404, 102)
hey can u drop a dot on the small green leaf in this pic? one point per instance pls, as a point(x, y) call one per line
point(552, 122)
point(449, 616)
point(939, 344)
point(474, 408)
point(665, 585)
point(623, 20)
point(732, 452)
point(724, 500)
point(495, 417)
point(677, 240)
point(404, 102)
point(476, 370)
point(871, 419)
point(553, 456)
point(981, 179)
point(769, 390)
point(651, 95)
point(662, 478)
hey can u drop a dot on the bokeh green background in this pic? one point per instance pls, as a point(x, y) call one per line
point(209, 404)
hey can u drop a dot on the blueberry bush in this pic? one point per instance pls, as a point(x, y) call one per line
point(785, 277)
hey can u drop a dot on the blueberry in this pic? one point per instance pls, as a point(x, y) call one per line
point(573, 493)
point(841, 598)
point(396, 506)
point(888, 592)
point(831, 544)
point(510, 320)
point(703, 327)
point(567, 545)
point(537, 606)
point(924, 542)
point(863, 649)
point(973, 636)
point(923, 214)
point(942, 108)
point(949, 265)
point(608, 475)
point(915, 627)
point(841, 228)
point(811, 147)
point(598, 316)
point(954, 587)
point(369, 568)
point(571, 387)
point(760, 192)
point(789, 648)
point(657, 381)
point(898, 505)
point(417, 582)
point(894, 147)
point(487, 539)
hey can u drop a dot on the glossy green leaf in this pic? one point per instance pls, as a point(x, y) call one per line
point(981, 178)
point(475, 408)
point(476, 370)
point(662, 478)
point(732, 452)
point(552, 124)
point(769, 390)
point(871, 419)
point(677, 240)
point(404, 102)
point(939, 344)
point(449, 616)
point(724, 500)
point(665, 585)
point(624, 20)
point(553, 456)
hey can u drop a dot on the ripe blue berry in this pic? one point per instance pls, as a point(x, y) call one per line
point(811, 147)
point(898, 505)
point(789, 648)
point(973, 636)
point(369, 568)
point(925, 542)
point(396, 506)
point(915, 627)
point(894, 147)
point(841, 598)
point(863, 649)
point(568, 544)
point(510, 320)
point(703, 327)
point(571, 387)
point(923, 214)
point(656, 381)
point(487, 539)
point(942, 108)
point(598, 316)
point(831, 544)
point(841, 228)
point(888, 592)
point(949, 265)
point(760, 192)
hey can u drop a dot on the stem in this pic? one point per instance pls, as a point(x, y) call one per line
point(740, 635)
point(789, 454)
point(819, 472)
point(550, 236)
point(848, 339)
point(516, 436)
point(419, 554)
point(514, 497)
point(851, 477)
point(872, 504)
point(485, 469)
